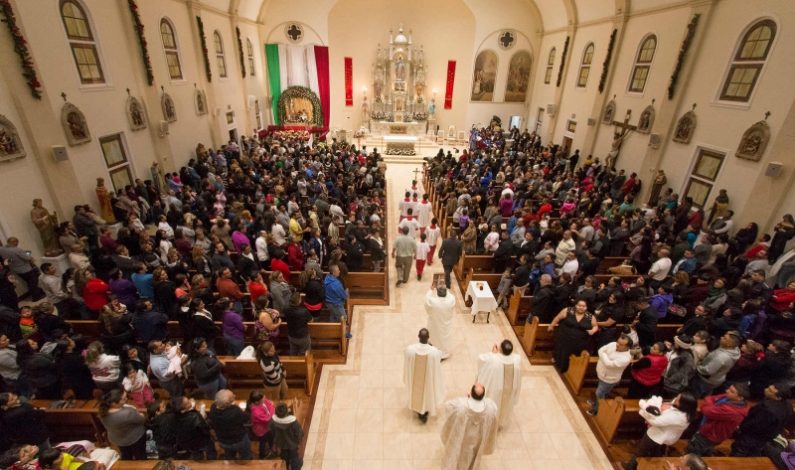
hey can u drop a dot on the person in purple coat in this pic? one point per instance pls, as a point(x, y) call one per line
point(233, 329)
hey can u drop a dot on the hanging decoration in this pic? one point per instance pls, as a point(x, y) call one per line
point(139, 31)
point(448, 91)
point(680, 60)
point(563, 61)
point(240, 51)
point(203, 40)
point(21, 48)
point(606, 63)
point(348, 81)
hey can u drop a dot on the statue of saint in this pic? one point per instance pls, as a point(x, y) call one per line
point(400, 69)
point(105, 204)
point(659, 181)
point(45, 223)
point(432, 108)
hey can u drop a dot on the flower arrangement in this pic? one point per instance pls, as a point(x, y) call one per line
point(205, 52)
point(139, 30)
point(21, 48)
point(563, 61)
point(240, 50)
point(291, 135)
point(680, 60)
point(606, 63)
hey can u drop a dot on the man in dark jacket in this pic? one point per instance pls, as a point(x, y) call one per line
point(773, 368)
point(228, 421)
point(287, 435)
point(149, 324)
point(193, 432)
point(502, 256)
point(450, 253)
point(9, 324)
point(764, 422)
point(26, 421)
point(543, 300)
point(297, 317)
point(645, 324)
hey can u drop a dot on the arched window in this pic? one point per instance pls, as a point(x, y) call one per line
point(82, 42)
point(550, 64)
point(640, 71)
point(250, 54)
point(585, 66)
point(220, 61)
point(748, 60)
point(170, 48)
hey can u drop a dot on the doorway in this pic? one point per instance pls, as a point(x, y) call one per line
point(233, 135)
point(515, 121)
point(565, 147)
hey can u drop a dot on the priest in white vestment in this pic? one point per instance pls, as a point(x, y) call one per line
point(439, 306)
point(470, 430)
point(500, 371)
point(422, 374)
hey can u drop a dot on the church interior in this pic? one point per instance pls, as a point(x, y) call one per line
point(198, 179)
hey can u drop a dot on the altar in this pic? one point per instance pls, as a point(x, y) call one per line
point(401, 144)
point(385, 128)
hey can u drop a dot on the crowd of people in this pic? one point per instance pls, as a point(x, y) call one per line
point(239, 233)
point(549, 220)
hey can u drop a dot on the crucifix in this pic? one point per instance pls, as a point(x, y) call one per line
point(618, 138)
point(416, 171)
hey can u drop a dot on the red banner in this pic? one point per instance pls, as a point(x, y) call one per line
point(348, 81)
point(448, 92)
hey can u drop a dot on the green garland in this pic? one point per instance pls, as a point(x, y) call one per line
point(240, 50)
point(21, 48)
point(680, 61)
point(563, 61)
point(139, 30)
point(203, 41)
point(606, 63)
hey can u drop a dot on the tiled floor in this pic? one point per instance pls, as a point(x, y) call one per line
point(361, 421)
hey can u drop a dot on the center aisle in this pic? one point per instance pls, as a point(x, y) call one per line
point(361, 421)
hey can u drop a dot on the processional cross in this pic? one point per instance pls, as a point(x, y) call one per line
point(416, 171)
point(618, 138)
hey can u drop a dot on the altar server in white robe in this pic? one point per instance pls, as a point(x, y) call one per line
point(470, 430)
point(439, 305)
point(500, 371)
point(422, 374)
point(423, 210)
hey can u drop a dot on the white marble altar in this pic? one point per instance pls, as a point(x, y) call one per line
point(414, 128)
point(401, 144)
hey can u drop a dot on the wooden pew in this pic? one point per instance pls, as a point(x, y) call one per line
point(608, 262)
point(77, 422)
point(575, 376)
point(366, 288)
point(536, 337)
point(247, 373)
point(208, 465)
point(714, 463)
point(478, 263)
point(324, 335)
point(519, 307)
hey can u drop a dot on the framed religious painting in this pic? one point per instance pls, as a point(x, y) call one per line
point(698, 190)
point(708, 164)
point(10, 144)
point(74, 124)
point(135, 114)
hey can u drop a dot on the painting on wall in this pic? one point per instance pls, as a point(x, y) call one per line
point(135, 114)
point(518, 77)
point(74, 123)
point(10, 145)
point(484, 76)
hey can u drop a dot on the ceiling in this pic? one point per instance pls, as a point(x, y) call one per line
point(554, 14)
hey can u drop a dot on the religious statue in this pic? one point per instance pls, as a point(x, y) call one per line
point(659, 181)
point(45, 223)
point(158, 179)
point(8, 145)
point(644, 124)
point(685, 127)
point(169, 111)
point(610, 112)
point(754, 141)
point(432, 108)
point(74, 124)
point(201, 106)
point(400, 69)
point(105, 204)
point(365, 110)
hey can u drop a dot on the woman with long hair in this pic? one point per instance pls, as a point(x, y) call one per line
point(124, 424)
point(38, 369)
point(667, 421)
point(261, 411)
point(576, 324)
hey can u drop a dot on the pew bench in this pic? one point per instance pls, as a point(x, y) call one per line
point(247, 373)
point(519, 307)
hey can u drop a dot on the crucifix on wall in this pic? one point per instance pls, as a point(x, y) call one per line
point(619, 134)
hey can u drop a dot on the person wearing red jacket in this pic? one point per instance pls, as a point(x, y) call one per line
point(278, 264)
point(783, 299)
point(95, 293)
point(722, 416)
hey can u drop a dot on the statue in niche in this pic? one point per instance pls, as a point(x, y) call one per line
point(135, 114)
point(45, 223)
point(74, 124)
point(432, 108)
point(610, 112)
point(659, 181)
point(754, 141)
point(400, 68)
point(685, 128)
point(169, 110)
point(646, 120)
point(378, 85)
point(10, 145)
point(201, 103)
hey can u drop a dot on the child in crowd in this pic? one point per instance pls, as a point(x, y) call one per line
point(433, 233)
point(26, 323)
point(176, 359)
point(504, 288)
point(136, 384)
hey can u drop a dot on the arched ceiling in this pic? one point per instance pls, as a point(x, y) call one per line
point(555, 14)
